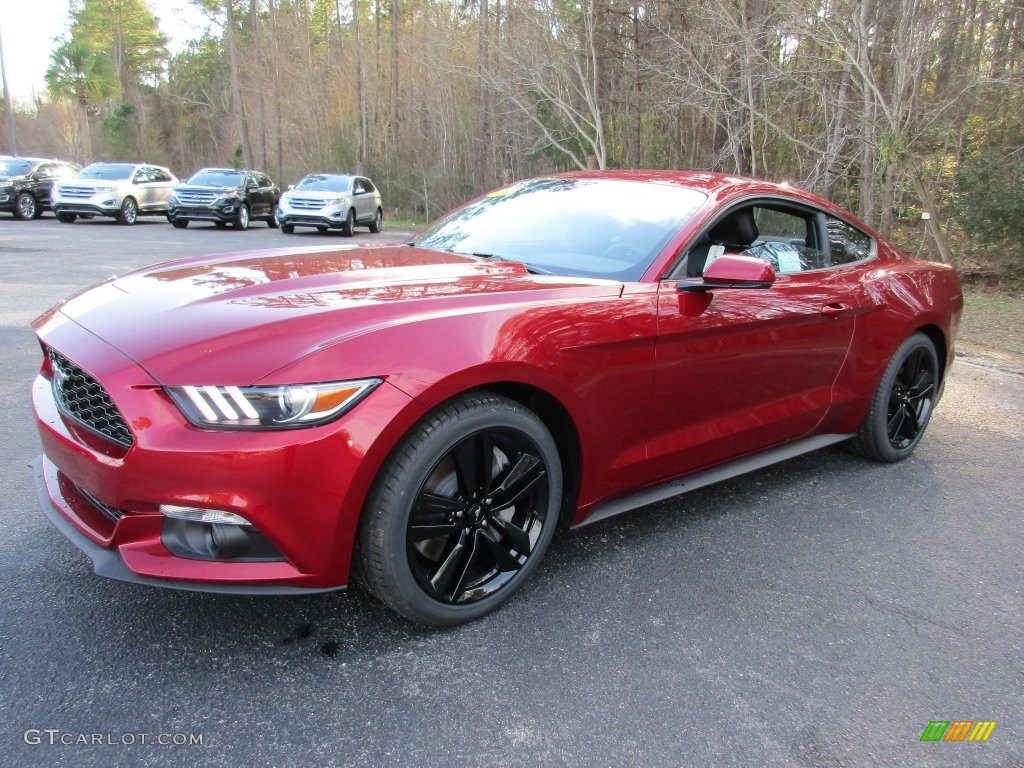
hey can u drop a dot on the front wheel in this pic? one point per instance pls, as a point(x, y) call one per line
point(66, 218)
point(179, 223)
point(462, 512)
point(287, 228)
point(241, 222)
point(350, 223)
point(129, 212)
point(25, 207)
point(902, 405)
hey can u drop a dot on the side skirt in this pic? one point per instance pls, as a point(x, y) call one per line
point(733, 469)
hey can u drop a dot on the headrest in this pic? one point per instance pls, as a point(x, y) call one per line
point(737, 230)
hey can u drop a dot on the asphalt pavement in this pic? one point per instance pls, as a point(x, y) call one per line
point(821, 612)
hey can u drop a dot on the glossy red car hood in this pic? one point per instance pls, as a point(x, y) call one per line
point(235, 319)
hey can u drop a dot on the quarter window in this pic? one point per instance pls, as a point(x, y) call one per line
point(846, 244)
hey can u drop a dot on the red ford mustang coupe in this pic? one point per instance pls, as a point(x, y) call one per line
point(422, 416)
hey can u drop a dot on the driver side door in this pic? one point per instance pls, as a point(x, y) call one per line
point(738, 370)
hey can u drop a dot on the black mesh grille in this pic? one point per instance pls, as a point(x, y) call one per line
point(82, 398)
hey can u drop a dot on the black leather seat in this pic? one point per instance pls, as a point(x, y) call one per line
point(736, 232)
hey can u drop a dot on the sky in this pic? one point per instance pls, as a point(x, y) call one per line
point(27, 30)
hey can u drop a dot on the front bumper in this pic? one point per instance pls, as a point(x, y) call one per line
point(88, 209)
point(330, 217)
point(301, 489)
point(225, 214)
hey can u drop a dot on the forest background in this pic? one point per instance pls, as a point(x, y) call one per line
point(908, 112)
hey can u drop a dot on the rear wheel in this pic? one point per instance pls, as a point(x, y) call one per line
point(25, 207)
point(902, 405)
point(241, 222)
point(462, 511)
point(378, 222)
point(129, 212)
point(272, 221)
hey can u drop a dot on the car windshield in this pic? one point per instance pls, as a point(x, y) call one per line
point(107, 171)
point(15, 167)
point(322, 182)
point(215, 178)
point(605, 228)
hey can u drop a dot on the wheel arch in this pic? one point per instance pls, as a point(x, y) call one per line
point(562, 428)
point(938, 338)
point(554, 415)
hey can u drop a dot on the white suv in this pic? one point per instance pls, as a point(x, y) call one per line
point(122, 190)
point(331, 201)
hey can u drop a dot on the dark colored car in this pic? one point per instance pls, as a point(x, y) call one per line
point(224, 196)
point(26, 184)
point(263, 422)
point(331, 201)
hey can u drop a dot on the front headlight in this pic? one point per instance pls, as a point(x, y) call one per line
point(283, 407)
point(338, 201)
point(101, 190)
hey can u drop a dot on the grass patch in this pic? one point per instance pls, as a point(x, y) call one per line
point(993, 318)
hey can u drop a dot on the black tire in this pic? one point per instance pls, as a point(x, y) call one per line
point(350, 223)
point(220, 224)
point(66, 218)
point(902, 404)
point(272, 221)
point(129, 212)
point(462, 511)
point(322, 229)
point(179, 223)
point(26, 207)
point(241, 222)
point(288, 228)
point(378, 222)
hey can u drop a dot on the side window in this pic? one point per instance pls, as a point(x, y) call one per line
point(44, 172)
point(358, 187)
point(64, 171)
point(159, 174)
point(786, 240)
point(846, 244)
point(368, 187)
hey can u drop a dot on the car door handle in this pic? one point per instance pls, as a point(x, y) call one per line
point(836, 309)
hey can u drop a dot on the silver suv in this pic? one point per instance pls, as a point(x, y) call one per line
point(331, 201)
point(122, 190)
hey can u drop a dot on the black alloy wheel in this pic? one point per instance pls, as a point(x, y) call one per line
point(903, 403)
point(463, 511)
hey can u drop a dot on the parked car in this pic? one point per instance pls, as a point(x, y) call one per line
point(26, 184)
point(331, 201)
point(124, 191)
point(225, 196)
point(262, 422)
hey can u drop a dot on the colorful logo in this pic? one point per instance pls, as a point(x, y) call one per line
point(958, 730)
